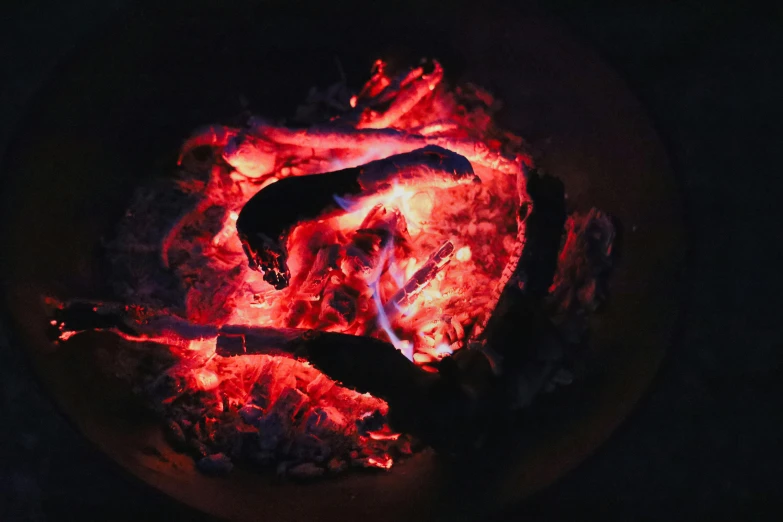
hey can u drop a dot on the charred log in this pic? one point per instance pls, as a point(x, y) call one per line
point(543, 232)
point(519, 335)
point(447, 410)
point(267, 217)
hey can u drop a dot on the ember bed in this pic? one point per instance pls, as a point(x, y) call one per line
point(358, 304)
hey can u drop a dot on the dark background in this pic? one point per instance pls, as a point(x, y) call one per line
point(705, 443)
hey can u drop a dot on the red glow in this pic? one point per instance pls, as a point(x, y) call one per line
point(384, 462)
point(419, 262)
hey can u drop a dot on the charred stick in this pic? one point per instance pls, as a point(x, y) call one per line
point(268, 217)
point(326, 262)
point(133, 323)
point(406, 295)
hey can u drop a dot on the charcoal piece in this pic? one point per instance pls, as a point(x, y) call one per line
point(174, 435)
point(262, 458)
point(305, 471)
point(240, 339)
point(336, 465)
point(290, 403)
point(366, 255)
point(442, 409)
point(197, 448)
point(307, 447)
point(338, 306)
point(373, 422)
point(250, 413)
point(417, 84)
point(323, 421)
point(275, 425)
point(271, 430)
point(379, 463)
point(207, 136)
point(217, 464)
point(261, 393)
point(585, 262)
point(298, 311)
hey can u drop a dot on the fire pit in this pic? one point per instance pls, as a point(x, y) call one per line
point(343, 267)
point(317, 293)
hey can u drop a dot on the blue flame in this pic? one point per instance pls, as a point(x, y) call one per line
point(406, 347)
point(346, 204)
point(395, 271)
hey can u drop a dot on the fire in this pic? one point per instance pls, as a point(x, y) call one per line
point(417, 260)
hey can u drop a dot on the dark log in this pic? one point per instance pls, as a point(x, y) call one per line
point(448, 409)
point(267, 217)
point(362, 363)
point(543, 232)
point(519, 337)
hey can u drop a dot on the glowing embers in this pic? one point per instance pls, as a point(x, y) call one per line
point(399, 265)
point(413, 249)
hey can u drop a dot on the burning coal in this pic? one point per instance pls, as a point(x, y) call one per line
point(311, 284)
